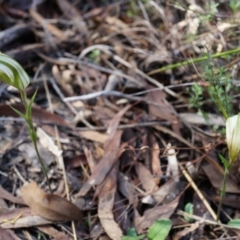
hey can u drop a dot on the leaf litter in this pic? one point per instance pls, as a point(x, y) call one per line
point(113, 107)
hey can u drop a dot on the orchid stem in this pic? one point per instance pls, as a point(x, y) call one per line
point(33, 133)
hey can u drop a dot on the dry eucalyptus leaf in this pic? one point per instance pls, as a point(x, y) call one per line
point(151, 215)
point(8, 196)
point(25, 222)
point(49, 206)
point(106, 203)
point(7, 234)
point(51, 231)
point(146, 178)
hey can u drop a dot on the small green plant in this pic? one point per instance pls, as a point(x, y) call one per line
point(196, 100)
point(132, 235)
point(158, 231)
point(14, 75)
point(211, 11)
point(234, 5)
point(196, 96)
point(134, 8)
point(233, 143)
point(235, 223)
point(95, 55)
point(218, 87)
point(188, 209)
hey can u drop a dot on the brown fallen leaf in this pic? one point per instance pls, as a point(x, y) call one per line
point(49, 206)
point(112, 150)
point(151, 215)
point(146, 178)
point(90, 159)
point(6, 234)
point(186, 231)
point(105, 164)
point(155, 161)
point(106, 196)
point(10, 215)
point(164, 110)
point(126, 188)
point(55, 31)
point(51, 231)
point(94, 136)
point(39, 114)
point(24, 222)
point(72, 13)
point(216, 179)
point(8, 196)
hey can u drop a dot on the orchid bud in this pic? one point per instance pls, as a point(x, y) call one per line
point(233, 137)
point(12, 73)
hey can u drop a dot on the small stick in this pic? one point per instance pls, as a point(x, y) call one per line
point(200, 195)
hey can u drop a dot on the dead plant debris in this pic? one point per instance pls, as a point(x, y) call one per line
point(121, 85)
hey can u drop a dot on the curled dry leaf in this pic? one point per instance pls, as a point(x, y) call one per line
point(49, 206)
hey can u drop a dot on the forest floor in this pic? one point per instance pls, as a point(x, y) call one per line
point(130, 111)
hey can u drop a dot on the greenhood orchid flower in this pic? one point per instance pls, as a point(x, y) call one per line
point(233, 137)
point(12, 73)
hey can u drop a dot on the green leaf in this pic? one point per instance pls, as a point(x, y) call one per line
point(133, 238)
point(132, 235)
point(19, 113)
point(33, 134)
point(234, 223)
point(132, 232)
point(29, 107)
point(224, 161)
point(160, 229)
point(188, 209)
point(12, 73)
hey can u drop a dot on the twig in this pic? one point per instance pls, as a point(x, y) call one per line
point(200, 195)
point(19, 174)
point(110, 93)
point(56, 88)
point(194, 60)
point(204, 220)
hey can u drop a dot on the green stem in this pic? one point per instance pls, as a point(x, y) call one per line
point(223, 191)
point(32, 133)
point(24, 98)
point(194, 60)
point(42, 165)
